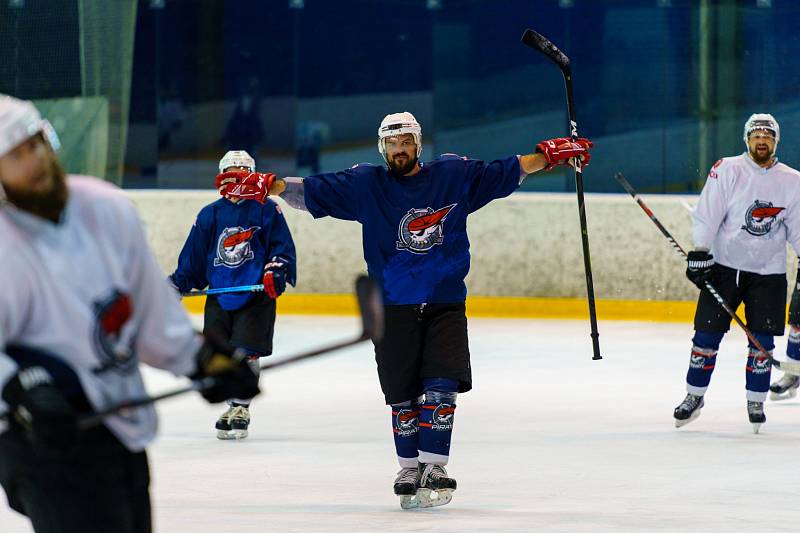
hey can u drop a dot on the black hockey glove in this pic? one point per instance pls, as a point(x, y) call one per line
point(698, 268)
point(233, 376)
point(41, 410)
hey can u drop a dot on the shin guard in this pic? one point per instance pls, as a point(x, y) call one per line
point(793, 346)
point(758, 369)
point(405, 426)
point(436, 420)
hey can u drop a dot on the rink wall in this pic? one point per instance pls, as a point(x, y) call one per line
point(526, 255)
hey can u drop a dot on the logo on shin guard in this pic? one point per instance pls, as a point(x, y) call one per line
point(442, 419)
point(697, 361)
point(406, 422)
point(760, 365)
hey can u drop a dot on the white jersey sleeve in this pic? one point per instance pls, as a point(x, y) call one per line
point(164, 340)
point(711, 208)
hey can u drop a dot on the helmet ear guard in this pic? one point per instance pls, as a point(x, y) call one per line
point(396, 124)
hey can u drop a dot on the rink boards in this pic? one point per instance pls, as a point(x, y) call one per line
point(526, 255)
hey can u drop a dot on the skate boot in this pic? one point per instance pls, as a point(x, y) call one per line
point(435, 488)
point(688, 410)
point(755, 411)
point(240, 420)
point(233, 423)
point(785, 388)
point(223, 424)
point(405, 485)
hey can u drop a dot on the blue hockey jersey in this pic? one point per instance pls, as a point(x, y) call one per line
point(229, 244)
point(414, 229)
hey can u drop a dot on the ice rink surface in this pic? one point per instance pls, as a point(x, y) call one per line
point(548, 440)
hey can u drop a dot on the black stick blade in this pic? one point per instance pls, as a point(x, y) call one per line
point(625, 183)
point(370, 304)
point(540, 42)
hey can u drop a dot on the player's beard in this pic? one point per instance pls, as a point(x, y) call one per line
point(761, 159)
point(47, 204)
point(401, 169)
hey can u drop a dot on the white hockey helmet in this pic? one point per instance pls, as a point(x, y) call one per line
point(237, 158)
point(20, 120)
point(397, 124)
point(762, 121)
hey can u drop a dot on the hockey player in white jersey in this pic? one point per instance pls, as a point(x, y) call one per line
point(748, 210)
point(83, 303)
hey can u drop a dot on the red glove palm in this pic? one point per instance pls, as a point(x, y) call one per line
point(560, 150)
point(245, 185)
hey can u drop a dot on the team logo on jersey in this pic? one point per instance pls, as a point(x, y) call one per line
point(406, 422)
point(712, 174)
point(113, 336)
point(421, 229)
point(760, 217)
point(442, 419)
point(233, 246)
point(760, 365)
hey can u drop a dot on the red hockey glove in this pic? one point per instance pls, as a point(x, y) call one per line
point(560, 150)
point(245, 185)
point(275, 277)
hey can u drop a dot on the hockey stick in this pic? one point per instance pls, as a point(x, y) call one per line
point(787, 366)
point(225, 290)
point(370, 305)
point(543, 45)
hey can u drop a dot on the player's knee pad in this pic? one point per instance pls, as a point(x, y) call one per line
point(767, 340)
point(708, 339)
point(440, 390)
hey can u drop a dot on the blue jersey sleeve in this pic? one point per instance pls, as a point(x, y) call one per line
point(281, 244)
point(489, 181)
point(191, 271)
point(336, 194)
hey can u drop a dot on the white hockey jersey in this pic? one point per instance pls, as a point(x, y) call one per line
point(89, 291)
point(747, 214)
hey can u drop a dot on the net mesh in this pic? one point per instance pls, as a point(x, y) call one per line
point(74, 60)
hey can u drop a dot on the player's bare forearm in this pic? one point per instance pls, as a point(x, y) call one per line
point(291, 190)
point(531, 163)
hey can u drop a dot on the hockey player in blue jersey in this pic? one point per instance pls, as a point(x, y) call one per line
point(413, 218)
point(240, 239)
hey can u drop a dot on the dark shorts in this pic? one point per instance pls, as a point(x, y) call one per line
point(422, 341)
point(100, 486)
point(250, 327)
point(763, 295)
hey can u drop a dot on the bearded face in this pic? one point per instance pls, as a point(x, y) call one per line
point(33, 179)
point(761, 146)
point(401, 154)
